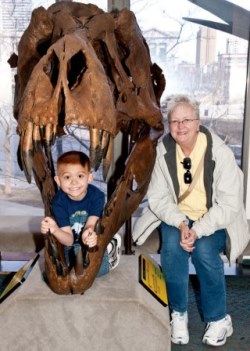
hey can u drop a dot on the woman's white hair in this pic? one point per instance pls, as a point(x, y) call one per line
point(176, 100)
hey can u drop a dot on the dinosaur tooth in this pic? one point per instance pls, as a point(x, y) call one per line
point(102, 148)
point(48, 142)
point(27, 151)
point(48, 133)
point(108, 158)
point(94, 141)
point(36, 138)
point(42, 131)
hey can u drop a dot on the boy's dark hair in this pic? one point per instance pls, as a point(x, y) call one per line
point(74, 157)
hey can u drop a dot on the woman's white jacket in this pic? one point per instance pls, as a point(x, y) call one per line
point(223, 181)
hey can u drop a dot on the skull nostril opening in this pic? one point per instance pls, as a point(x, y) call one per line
point(61, 109)
point(51, 69)
point(76, 68)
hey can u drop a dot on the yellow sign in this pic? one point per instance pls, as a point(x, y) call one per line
point(151, 277)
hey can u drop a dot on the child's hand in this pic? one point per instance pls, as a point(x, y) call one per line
point(48, 225)
point(89, 238)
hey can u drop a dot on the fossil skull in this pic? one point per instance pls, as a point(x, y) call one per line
point(78, 65)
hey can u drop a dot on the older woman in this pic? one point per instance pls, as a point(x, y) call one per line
point(196, 194)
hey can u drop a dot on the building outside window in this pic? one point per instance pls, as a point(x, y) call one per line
point(205, 63)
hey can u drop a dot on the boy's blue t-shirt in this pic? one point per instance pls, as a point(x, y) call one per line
point(68, 212)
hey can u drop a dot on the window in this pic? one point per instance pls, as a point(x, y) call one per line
point(205, 63)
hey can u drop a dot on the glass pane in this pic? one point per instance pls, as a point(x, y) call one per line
point(205, 63)
point(14, 19)
point(14, 188)
point(218, 79)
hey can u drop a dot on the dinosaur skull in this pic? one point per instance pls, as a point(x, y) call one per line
point(78, 65)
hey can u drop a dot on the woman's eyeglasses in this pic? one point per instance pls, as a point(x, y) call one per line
point(185, 122)
point(187, 165)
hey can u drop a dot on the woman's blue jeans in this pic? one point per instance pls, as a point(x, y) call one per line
point(209, 269)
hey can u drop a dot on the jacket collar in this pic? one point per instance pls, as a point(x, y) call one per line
point(209, 164)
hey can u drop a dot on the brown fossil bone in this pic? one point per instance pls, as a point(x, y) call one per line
point(78, 65)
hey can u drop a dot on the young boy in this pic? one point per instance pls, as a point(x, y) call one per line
point(76, 207)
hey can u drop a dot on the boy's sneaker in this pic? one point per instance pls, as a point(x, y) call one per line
point(216, 333)
point(114, 251)
point(179, 328)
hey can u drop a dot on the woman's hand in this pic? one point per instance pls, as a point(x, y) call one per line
point(188, 238)
point(184, 230)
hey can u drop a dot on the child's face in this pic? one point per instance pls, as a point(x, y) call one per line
point(73, 179)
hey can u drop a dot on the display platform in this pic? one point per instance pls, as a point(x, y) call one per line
point(116, 313)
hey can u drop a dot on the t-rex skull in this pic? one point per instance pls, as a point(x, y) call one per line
point(78, 65)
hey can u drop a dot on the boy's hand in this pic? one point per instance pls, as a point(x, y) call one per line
point(89, 238)
point(48, 225)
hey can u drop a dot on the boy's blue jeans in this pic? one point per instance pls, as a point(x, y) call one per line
point(71, 251)
point(209, 269)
